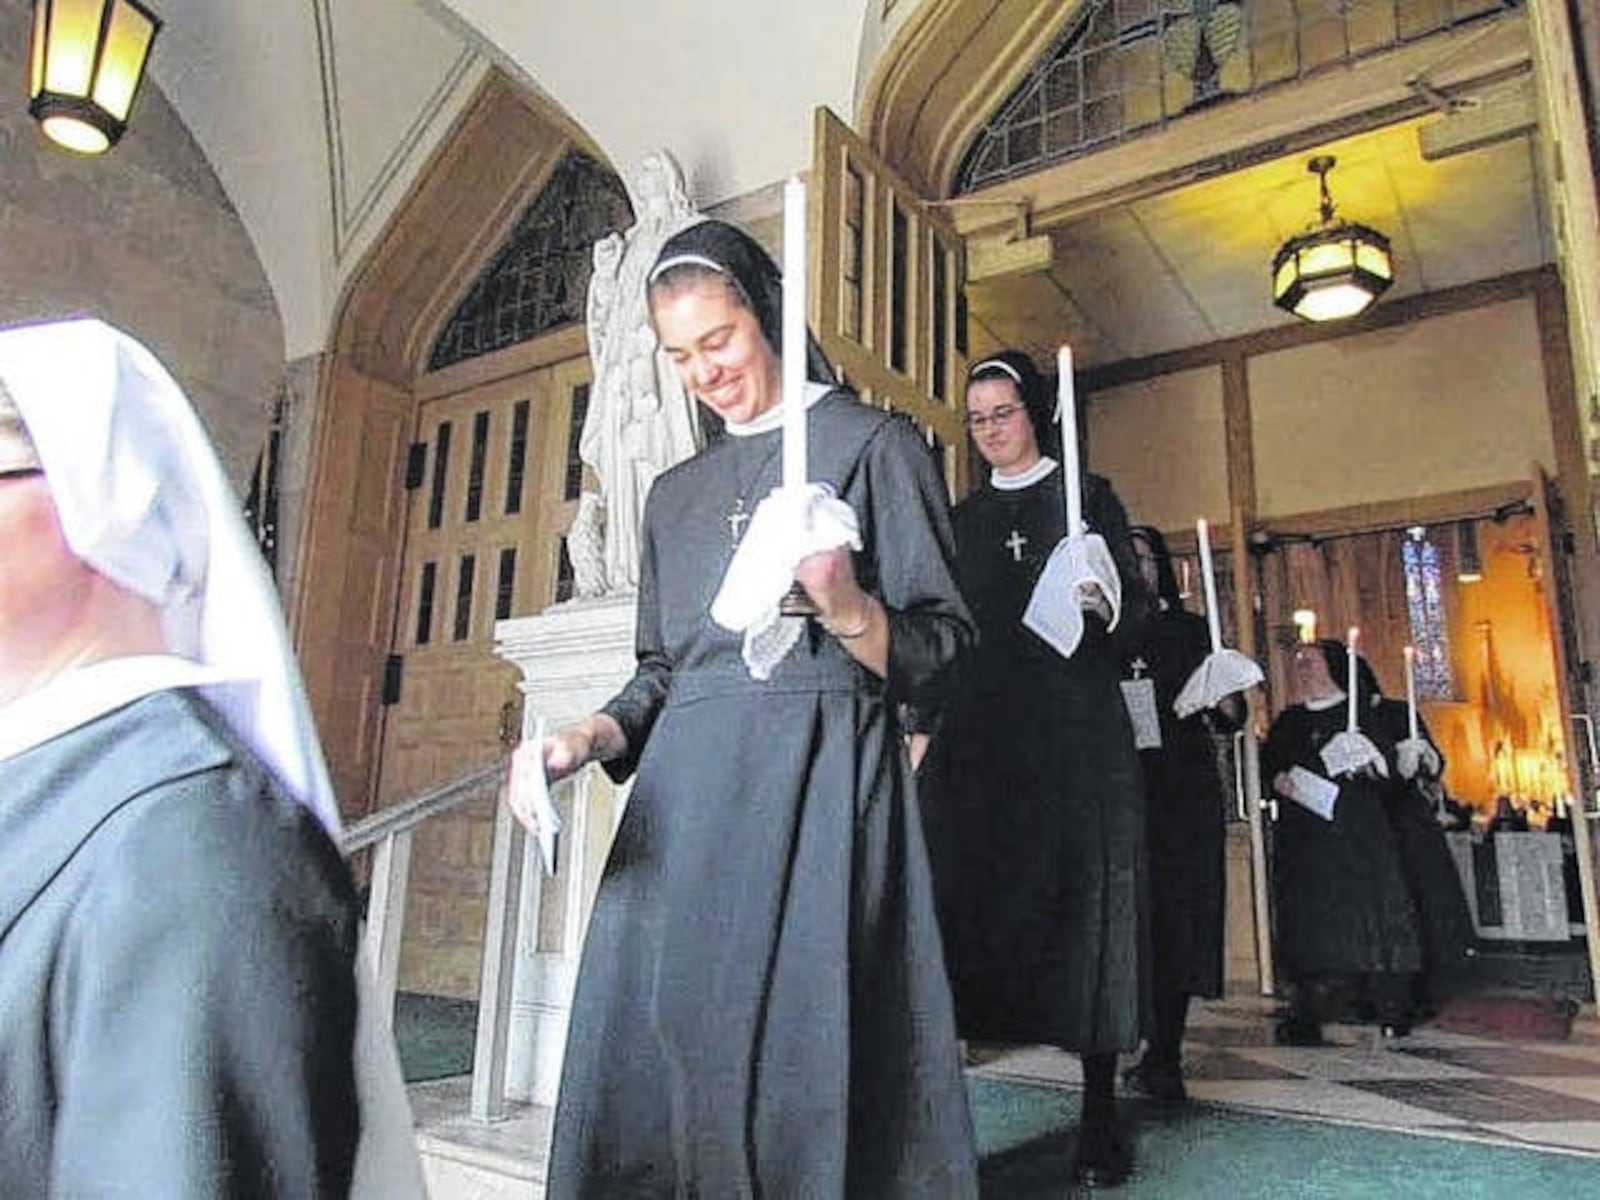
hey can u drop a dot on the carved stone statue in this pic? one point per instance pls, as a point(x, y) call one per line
point(586, 547)
point(641, 419)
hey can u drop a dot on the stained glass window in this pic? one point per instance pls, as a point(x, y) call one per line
point(1125, 66)
point(1425, 608)
point(539, 280)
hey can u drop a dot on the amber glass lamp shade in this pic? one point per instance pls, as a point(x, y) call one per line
point(1336, 269)
point(86, 62)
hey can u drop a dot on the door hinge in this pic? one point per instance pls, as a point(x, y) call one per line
point(393, 669)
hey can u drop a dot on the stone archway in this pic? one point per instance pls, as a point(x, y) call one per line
point(487, 171)
point(941, 73)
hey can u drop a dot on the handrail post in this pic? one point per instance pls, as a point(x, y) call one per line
point(386, 914)
point(499, 967)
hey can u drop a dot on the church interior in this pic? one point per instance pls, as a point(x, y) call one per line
point(361, 231)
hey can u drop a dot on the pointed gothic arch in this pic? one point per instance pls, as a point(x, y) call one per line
point(467, 202)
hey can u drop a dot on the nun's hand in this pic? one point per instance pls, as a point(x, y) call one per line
point(829, 578)
point(859, 622)
point(569, 749)
point(1092, 599)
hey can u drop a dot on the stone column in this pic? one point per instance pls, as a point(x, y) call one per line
point(573, 657)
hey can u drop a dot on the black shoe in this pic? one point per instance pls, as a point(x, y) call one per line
point(1103, 1159)
point(1295, 1032)
point(1157, 1080)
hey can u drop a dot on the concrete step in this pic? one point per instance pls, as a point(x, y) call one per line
point(463, 1159)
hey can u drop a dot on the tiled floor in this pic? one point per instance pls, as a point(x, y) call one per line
point(1538, 1093)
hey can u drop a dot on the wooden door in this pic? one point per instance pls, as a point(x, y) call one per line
point(887, 272)
point(494, 483)
point(1579, 752)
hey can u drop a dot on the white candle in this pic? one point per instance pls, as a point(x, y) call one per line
point(1411, 688)
point(794, 332)
point(1350, 654)
point(1067, 414)
point(1208, 576)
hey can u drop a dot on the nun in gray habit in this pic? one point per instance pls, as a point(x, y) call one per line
point(179, 964)
point(762, 1008)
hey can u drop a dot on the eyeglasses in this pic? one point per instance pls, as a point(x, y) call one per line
point(995, 416)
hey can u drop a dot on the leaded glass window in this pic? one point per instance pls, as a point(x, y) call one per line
point(1125, 66)
point(1430, 635)
point(539, 280)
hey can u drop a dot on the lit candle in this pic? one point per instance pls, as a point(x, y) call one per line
point(1411, 688)
point(1208, 576)
point(1067, 414)
point(1350, 654)
point(794, 332)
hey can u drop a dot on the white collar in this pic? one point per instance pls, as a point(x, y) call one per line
point(76, 697)
point(1023, 479)
point(1322, 702)
point(773, 417)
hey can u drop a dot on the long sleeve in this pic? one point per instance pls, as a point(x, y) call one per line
point(203, 1013)
point(637, 705)
point(912, 557)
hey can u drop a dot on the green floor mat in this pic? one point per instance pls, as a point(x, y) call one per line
point(1026, 1134)
point(434, 1035)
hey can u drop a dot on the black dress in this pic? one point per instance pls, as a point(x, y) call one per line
point(1036, 801)
point(1184, 815)
point(1341, 901)
point(762, 1006)
point(1444, 920)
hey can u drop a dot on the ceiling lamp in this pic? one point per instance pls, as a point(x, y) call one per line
point(87, 59)
point(1336, 269)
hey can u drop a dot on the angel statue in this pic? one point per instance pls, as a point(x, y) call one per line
point(641, 419)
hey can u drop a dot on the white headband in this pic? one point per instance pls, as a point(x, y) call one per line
point(999, 365)
point(684, 260)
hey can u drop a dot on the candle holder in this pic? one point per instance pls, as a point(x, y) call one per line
point(797, 602)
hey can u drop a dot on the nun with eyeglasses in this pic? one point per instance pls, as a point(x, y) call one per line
point(1033, 791)
point(179, 971)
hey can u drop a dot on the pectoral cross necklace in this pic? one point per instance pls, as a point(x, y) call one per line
point(1015, 543)
point(737, 517)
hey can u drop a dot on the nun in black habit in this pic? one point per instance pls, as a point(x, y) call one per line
point(1035, 799)
point(762, 1007)
point(1444, 921)
point(1346, 932)
point(1184, 818)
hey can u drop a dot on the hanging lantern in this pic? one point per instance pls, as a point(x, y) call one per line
point(86, 63)
point(1335, 270)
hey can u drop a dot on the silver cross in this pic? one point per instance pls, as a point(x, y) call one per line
point(1015, 543)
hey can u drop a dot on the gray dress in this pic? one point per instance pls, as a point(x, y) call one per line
point(762, 1007)
point(177, 940)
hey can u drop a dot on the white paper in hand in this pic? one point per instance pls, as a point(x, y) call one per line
point(1139, 696)
point(530, 792)
point(1312, 792)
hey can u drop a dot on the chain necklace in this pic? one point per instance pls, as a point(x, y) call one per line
point(738, 516)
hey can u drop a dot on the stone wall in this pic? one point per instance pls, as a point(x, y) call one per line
point(144, 237)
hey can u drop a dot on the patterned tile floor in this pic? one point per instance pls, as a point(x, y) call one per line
point(1445, 1084)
